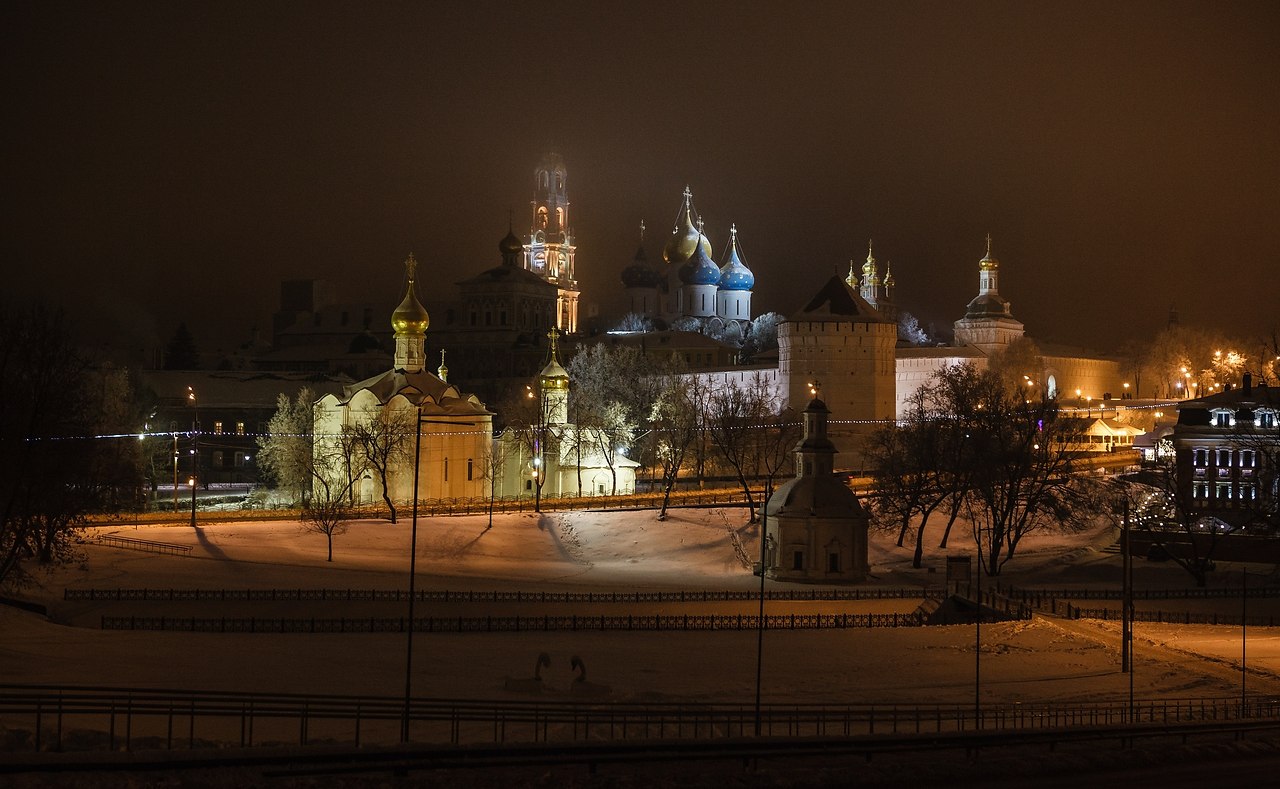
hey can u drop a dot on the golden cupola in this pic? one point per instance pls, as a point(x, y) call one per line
point(410, 317)
point(988, 263)
point(685, 237)
point(553, 375)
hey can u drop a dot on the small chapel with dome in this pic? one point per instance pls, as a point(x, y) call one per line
point(455, 427)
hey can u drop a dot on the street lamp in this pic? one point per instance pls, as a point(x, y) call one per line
point(195, 456)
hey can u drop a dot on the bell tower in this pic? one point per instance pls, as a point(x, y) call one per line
point(550, 250)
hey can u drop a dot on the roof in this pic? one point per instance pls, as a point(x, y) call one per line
point(423, 389)
point(837, 301)
point(237, 388)
point(509, 275)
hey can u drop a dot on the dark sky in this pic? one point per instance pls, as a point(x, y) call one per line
point(168, 161)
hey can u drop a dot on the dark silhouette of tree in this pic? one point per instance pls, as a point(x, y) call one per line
point(181, 353)
point(61, 455)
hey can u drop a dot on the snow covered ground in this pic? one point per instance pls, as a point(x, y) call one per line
point(1042, 660)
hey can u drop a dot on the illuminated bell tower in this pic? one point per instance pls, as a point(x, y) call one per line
point(550, 250)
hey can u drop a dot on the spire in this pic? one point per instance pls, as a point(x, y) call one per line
point(442, 372)
point(852, 279)
point(642, 231)
point(888, 275)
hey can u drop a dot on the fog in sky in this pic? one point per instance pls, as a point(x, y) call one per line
point(175, 161)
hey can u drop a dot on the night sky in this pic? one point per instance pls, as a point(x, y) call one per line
point(175, 161)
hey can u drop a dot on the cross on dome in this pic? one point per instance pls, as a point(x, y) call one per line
point(411, 267)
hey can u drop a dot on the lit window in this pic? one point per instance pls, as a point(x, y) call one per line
point(1201, 457)
point(239, 428)
point(1224, 457)
point(1222, 418)
point(217, 428)
point(1266, 419)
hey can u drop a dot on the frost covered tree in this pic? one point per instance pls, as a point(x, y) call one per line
point(386, 443)
point(284, 453)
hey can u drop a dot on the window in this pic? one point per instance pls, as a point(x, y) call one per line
point(1223, 493)
point(528, 484)
point(1248, 493)
point(217, 428)
point(1201, 490)
point(1201, 457)
point(446, 469)
point(1222, 418)
point(1266, 419)
point(473, 317)
point(217, 458)
point(470, 468)
point(502, 317)
point(797, 560)
point(600, 488)
point(1247, 458)
point(1224, 457)
point(239, 428)
point(833, 563)
point(488, 318)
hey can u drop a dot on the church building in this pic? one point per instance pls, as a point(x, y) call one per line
point(454, 451)
point(815, 527)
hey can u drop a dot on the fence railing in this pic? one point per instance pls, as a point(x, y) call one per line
point(508, 624)
point(67, 718)
point(1037, 597)
point(151, 546)
point(482, 596)
point(1170, 617)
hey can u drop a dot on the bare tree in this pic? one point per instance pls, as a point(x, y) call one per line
point(386, 443)
point(677, 420)
point(735, 417)
point(1018, 458)
point(328, 509)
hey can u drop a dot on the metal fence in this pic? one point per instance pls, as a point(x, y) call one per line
point(1170, 617)
point(482, 596)
point(69, 718)
point(150, 546)
point(511, 624)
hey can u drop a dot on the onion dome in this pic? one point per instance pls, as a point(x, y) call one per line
point(988, 262)
point(734, 274)
point(869, 268)
point(640, 274)
point(700, 269)
point(553, 375)
point(685, 238)
point(410, 317)
point(510, 244)
point(442, 372)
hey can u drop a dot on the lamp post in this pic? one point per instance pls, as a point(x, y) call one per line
point(195, 456)
point(413, 564)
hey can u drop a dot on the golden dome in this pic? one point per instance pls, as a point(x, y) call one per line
point(553, 376)
point(869, 268)
point(410, 317)
point(988, 263)
point(685, 238)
